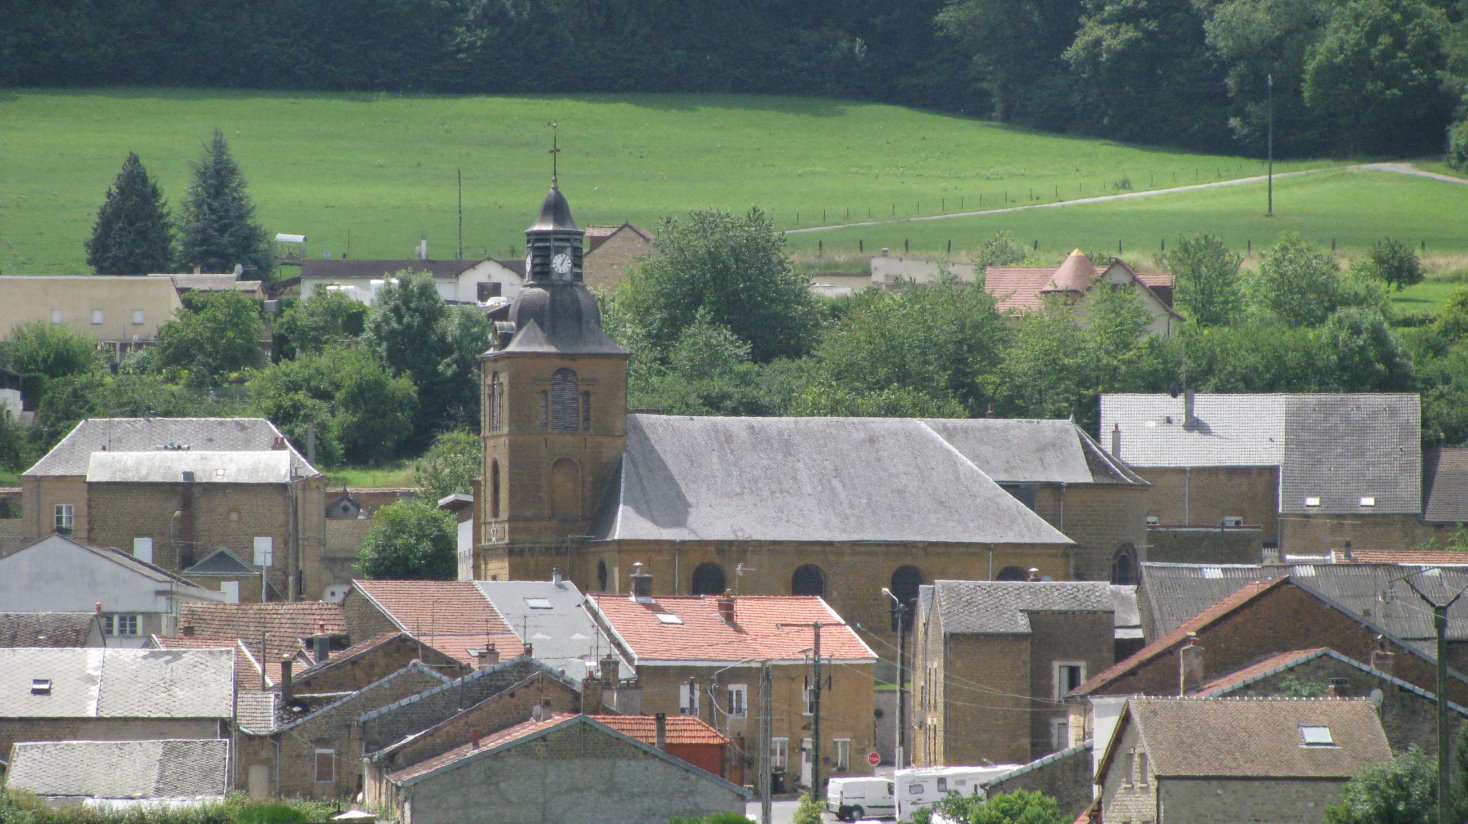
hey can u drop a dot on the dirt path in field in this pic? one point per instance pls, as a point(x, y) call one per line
point(1394, 168)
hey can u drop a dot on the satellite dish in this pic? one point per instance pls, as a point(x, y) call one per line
point(1175, 389)
point(239, 269)
point(1376, 697)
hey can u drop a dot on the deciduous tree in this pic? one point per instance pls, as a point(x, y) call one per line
point(1400, 791)
point(411, 540)
point(455, 459)
point(214, 336)
point(217, 226)
point(132, 235)
point(1208, 290)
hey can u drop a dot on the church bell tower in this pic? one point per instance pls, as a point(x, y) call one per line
point(554, 411)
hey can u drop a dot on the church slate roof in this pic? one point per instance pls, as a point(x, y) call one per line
point(1004, 607)
point(806, 479)
point(1033, 451)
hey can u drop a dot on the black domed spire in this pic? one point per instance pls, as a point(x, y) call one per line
point(555, 214)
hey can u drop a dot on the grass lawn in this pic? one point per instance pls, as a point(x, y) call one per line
point(1351, 208)
point(371, 173)
point(398, 475)
point(1426, 297)
point(9, 478)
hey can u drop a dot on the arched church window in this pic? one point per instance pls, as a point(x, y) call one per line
point(808, 580)
point(708, 579)
point(1124, 565)
point(905, 582)
point(601, 575)
point(565, 489)
point(494, 489)
point(1012, 573)
point(565, 401)
point(496, 402)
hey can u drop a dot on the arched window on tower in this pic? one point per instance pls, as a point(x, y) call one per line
point(905, 583)
point(1124, 565)
point(565, 401)
point(808, 580)
point(601, 575)
point(496, 402)
point(494, 489)
point(565, 489)
point(708, 579)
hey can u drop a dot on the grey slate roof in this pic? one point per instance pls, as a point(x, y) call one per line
point(157, 770)
point(72, 455)
point(806, 479)
point(1170, 594)
point(255, 711)
point(995, 607)
point(221, 562)
point(563, 635)
point(373, 268)
point(1339, 448)
point(1445, 485)
point(117, 683)
point(46, 629)
point(1033, 451)
point(127, 561)
point(272, 467)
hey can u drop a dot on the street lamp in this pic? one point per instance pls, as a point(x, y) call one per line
point(901, 700)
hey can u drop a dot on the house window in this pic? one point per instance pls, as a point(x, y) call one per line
point(325, 765)
point(40, 686)
point(97, 317)
point(494, 488)
point(810, 701)
point(779, 753)
point(565, 401)
point(1059, 734)
point(143, 549)
point(1126, 768)
point(1068, 676)
point(1316, 735)
point(120, 625)
point(137, 317)
point(808, 580)
point(708, 579)
point(56, 316)
point(1142, 768)
point(738, 700)
point(843, 755)
point(65, 519)
point(688, 698)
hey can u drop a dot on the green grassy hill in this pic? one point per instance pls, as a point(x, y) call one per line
point(374, 172)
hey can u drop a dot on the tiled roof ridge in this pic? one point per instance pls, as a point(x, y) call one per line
point(411, 737)
point(483, 673)
point(414, 665)
point(351, 653)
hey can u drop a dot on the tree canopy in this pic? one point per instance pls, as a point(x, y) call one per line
point(215, 335)
point(410, 541)
point(132, 235)
point(217, 226)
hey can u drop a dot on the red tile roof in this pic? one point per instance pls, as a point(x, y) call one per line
point(457, 645)
point(434, 607)
point(504, 736)
point(283, 623)
point(1269, 664)
point(1018, 288)
point(681, 729)
point(1166, 643)
point(701, 635)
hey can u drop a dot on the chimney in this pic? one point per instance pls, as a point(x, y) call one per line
point(474, 739)
point(487, 657)
point(591, 700)
point(641, 584)
point(1034, 574)
point(529, 651)
point(610, 673)
point(1330, 691)
point(886, 252)
point(187, 630)
point(662, 727)
point(726, 607)
point(285, 679)
point(556, 576)
point(278, 443)
point(97, 608)
point(1382, 658)
point(1189, 420)
point(1116, 441)
point(1189, 666)
point(320, 646)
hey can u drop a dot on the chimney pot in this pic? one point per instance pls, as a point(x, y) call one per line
point(97, 608)
point(1116, 441)
point(487, 657)
point(474, 739)
point(662, 730)
point(529, 650)
point(641, 584)
point(1034, 574)
point(556, 575)
point(1382, 658)
point(726, 607)
point(1189, 420)
point(610, 674)
point(285, 679)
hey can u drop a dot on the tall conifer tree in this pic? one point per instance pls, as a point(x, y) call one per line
point(218, 228)
point(132, 235)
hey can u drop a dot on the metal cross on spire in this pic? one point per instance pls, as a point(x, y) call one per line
point(555, 151)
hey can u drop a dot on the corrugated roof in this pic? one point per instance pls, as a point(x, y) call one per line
point(1445, 485)
point(166, 769)
point(680, 729)
point(1033, 451)
point(116, 683)
point(1260, 737)
point(1004, 606)
point(434, 607)
point(46, 629)
point(700, 634)
point(806, 479)
point(168, 466)
point(71, 456)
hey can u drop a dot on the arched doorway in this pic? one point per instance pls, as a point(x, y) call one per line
point(1124, 565)
point(708, 579)
point(808, 580)
point(1012, 573)
point(905, 582)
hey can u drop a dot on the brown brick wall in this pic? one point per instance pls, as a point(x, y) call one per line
point(1067, 780)
point(1316, 534)
point(970, 704)
point(363, 619)
point(1203, 496)
point(606, 265)
point(39, 497)
point(1075, 637)
point(1100, 518)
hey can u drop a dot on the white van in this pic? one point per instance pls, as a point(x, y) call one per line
point(852, 799)
point(925, 786)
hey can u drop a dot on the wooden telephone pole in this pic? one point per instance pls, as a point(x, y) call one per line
point(815, 704)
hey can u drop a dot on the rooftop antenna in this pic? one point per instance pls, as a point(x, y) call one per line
point(555, 150)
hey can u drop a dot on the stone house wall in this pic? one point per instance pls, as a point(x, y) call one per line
point(363, 618)
point(1205, 545)
point(1101, 519)
point(1128, 791)
point(1075, 638)
point(374, 665)
point(1204, 496)
point(1318, 534)
point(604, 267)
point(1220, 801)
point(40, 495)
point(1067, 779)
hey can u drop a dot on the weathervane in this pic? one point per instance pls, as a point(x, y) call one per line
point(554, 151)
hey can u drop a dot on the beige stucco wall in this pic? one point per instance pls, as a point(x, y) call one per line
point(31, 298)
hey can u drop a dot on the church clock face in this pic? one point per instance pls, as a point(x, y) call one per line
point(561, 264)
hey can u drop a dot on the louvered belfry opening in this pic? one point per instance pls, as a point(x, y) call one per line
point(565, 401)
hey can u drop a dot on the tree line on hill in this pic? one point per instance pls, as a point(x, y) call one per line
point(1354, 76)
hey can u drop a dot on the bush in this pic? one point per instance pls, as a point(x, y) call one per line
point(1458, 145)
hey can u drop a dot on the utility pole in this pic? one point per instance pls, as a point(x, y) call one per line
point(1269, 106)
point(815, 704)
point(899, 754)
point(1444, 757)
point(766, 683)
